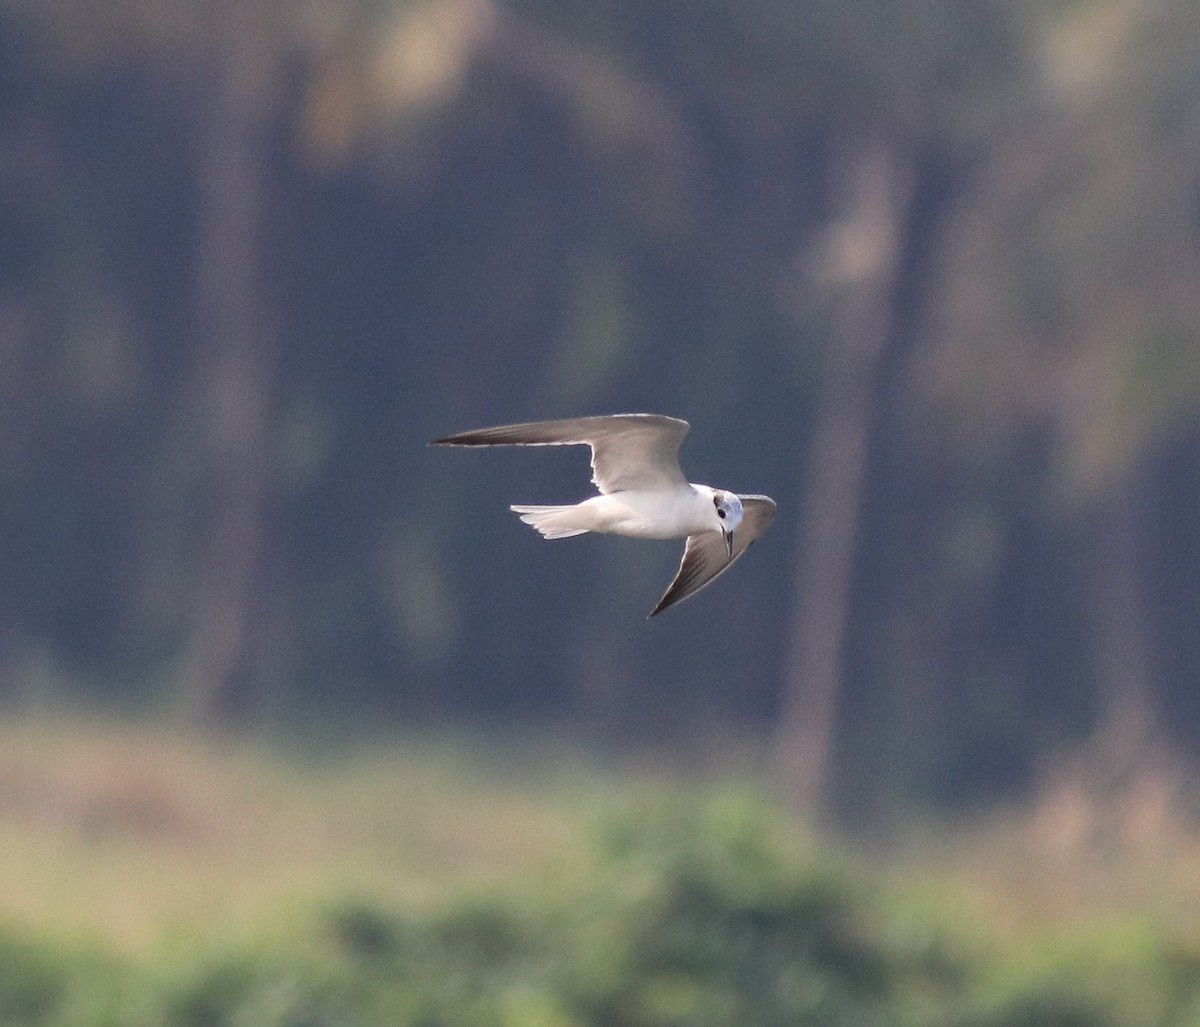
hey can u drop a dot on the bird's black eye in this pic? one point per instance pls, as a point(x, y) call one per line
point(720, 513)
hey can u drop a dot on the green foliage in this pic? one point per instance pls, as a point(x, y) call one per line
point(57, 985)
point(31, 984)
point(694, 915)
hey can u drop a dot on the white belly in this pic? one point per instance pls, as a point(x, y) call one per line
point(674, 514)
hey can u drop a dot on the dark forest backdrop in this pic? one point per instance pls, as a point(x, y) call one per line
point(924, 271)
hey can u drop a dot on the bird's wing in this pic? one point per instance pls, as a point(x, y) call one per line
point(629, 451)
point(705, 558)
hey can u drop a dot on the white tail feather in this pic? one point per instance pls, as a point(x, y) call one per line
point(552, 521)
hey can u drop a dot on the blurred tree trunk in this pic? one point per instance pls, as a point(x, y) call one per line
point(235, 331)
point(1121, 787)
point(859, 264)
point(1129, 724)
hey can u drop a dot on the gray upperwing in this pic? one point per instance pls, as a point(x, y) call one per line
point(705, 558)
point(628, 450)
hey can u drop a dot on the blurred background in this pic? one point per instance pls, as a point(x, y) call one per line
point(925, 271)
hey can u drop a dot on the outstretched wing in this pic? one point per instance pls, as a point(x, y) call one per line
point(705, 558)
point(629, 451)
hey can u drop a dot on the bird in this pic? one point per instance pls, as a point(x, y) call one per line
point(642, 493)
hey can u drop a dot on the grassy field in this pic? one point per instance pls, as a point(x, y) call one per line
point(126, 832)
point(148, 847)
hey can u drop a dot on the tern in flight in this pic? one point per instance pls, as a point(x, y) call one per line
point(643, 493)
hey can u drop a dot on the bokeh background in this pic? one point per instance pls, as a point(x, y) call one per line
point(925, 271)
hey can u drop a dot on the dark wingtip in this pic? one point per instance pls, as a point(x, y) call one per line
point(467, 439)
point(665, 603)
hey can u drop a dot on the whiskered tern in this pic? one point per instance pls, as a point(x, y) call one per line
point(643, 493)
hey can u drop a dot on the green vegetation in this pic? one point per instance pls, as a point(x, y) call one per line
point(230, 884)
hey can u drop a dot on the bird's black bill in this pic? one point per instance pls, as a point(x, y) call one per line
point(729, 543)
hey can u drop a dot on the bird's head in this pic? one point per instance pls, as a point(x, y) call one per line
point(727, 509)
